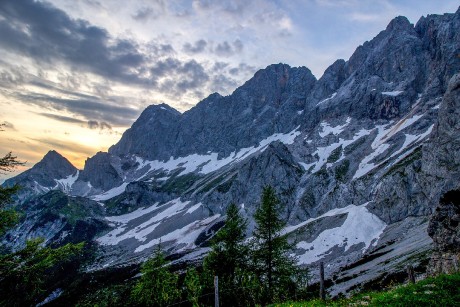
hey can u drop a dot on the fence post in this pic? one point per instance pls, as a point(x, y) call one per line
point(216, 291)
point(410, 272)
point(322, 292)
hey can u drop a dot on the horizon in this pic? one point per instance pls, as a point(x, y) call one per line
point(78, 104)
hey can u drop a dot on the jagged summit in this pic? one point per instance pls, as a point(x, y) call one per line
point(400, 23)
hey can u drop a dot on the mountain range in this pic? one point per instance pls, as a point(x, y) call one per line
point(359, 159)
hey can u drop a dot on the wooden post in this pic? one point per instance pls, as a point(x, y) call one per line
point(216, 291)
point(322, 292)
point(410, 272)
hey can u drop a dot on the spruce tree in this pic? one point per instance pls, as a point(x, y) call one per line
point(157, 286)
point(8, 217)
point(228, 257)
point(273, 265)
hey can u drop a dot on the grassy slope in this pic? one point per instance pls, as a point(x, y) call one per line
point(443, 290)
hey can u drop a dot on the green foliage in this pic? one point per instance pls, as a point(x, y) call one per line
point(157, 286)
point(335, 155)
point(193, 286)
point(24, 275)
point(228, 257)
point(111, 296)
point(179, 184)
point(272, 263)
point(443, 290)
point(8, 218)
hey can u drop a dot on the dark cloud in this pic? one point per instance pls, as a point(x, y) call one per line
point(156, 9)
point(91, 109)
point(39, 30)
point(198, 47)
point(92, 124)
point(62, 118)
point(144, 14)
point(179, 76)
point(226, 49)
point(242, 68)
point(223, 84)
point(219, 66)
point(7, 125)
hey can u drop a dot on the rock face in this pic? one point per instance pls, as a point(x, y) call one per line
point(58, 219)
point(444, 229)
point(52, 172)
point(359, 159)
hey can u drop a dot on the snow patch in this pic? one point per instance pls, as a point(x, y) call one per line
point(360, 226)
point(140, 232)
point(210, 162)
point(186, 235)
point(110, 193)
point(66, 183)
point(324, 152)
point(327, 99)
point(393, 93)
point(379, 144)
point(327, 129)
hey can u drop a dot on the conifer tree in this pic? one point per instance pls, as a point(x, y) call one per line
point(272, 263)
point(193, 286)
point(228, 257)
point(157, 286)
point(8, 217)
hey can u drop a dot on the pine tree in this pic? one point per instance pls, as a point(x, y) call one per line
point(157, 286)
point(272, 263)
point(228, 257)
point(193, 286)
point(8, 217)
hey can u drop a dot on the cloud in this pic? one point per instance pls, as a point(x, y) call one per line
point(75, 148)
point(92, 124)
point(7, 125)
point(144, 14)
point(179, 76)
point(92, 109)
point(226, 49)
point(242, 68)
point(40, 31)
point(198, 47)
point(62, 118)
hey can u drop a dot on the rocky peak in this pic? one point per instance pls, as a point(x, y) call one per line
point(400, 23)
point(100, 172)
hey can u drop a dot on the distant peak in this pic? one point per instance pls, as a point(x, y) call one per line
point(399, 23)
point(160, 107)
point(52, 154)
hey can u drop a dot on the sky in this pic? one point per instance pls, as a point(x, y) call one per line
point(75, 74)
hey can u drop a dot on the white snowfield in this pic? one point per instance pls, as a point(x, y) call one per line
point(210, 162)
point(324, 152)
point(328, 129)
point(66, 184)
point(204, 164)
point(127, 228)
point(360, 226)
point(393, 93)
point(110, 193)
point(379, 144)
